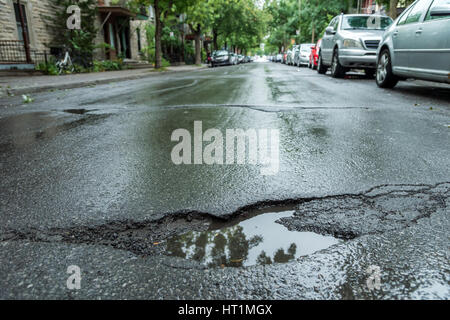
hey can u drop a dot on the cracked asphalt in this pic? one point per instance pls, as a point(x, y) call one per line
point(87, 180)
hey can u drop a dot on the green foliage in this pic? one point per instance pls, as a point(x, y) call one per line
point(48, 68)
point(148, 52)
point(80, 42)
point(107, 65)
point(97, 66)
point(288, 16)
point(165, 63)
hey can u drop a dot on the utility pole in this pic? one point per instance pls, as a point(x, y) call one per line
point(24, 33)
point(299, 18)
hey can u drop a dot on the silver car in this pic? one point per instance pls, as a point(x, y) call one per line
point(351, 42)
point(233, 58)
point(304, 53)
point(417, 45)
point(292, 55)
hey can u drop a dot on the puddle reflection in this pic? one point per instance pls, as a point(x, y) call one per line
point(256, 241)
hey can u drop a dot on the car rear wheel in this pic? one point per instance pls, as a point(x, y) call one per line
point(320, 67)
point(385, 78)
point(337, 70)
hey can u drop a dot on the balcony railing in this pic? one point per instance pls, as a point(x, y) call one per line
point(13, 52)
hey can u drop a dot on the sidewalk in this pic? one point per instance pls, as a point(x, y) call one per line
point(30, 84)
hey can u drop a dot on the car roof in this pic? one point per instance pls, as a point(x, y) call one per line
point(365, 15)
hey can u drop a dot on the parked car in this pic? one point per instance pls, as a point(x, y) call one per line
point(284, 58)
point(314, 56)
point(417, 45)
point(305, 52)
point(291, 55)
point(221, 58)
point(240, 59)
point(279, 58)
point(296, 54)
point(234, 58)
point(351, 41)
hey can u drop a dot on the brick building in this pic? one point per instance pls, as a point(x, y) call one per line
point(123, 30)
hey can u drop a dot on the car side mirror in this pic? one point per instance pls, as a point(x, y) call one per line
point(330, 30)
point(440, 11)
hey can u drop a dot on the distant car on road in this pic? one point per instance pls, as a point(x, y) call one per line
point(290, 57)
point(314, 56)
point(351, 41)
point(234, 59)
point(305, 52)
point(294, 54)
point(417, 45)
point(221, 58)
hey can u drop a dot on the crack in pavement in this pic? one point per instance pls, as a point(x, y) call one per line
point(380, 209)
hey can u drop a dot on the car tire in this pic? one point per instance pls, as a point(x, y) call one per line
point(337, 70)
point(321, 69)
point(384, 76)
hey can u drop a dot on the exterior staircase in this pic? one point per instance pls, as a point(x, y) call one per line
point(134, 64)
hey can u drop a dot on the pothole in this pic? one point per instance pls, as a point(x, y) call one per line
point(259, 240)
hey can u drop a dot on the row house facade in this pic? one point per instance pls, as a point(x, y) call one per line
point(122, 30)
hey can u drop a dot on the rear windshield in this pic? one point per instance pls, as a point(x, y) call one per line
point(366, 23)
point(306, 47)
point(220, 53)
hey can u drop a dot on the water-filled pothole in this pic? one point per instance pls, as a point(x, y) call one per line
point(256, 241)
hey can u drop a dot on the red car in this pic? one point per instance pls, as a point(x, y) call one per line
point(284, 61)
point(314, 57)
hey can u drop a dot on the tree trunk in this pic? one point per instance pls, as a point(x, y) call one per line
point(216, 46)
point(393, 8)
point(198, 47)
point(158, 31)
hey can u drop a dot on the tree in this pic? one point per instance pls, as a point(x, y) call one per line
point(198, 13)
point(161, 7)
point(309, 17)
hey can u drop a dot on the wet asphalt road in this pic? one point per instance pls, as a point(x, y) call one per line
point(81, 166)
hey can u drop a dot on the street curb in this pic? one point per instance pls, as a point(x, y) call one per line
point(5, 92)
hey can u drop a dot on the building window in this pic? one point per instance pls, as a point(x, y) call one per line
point(18, 22)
